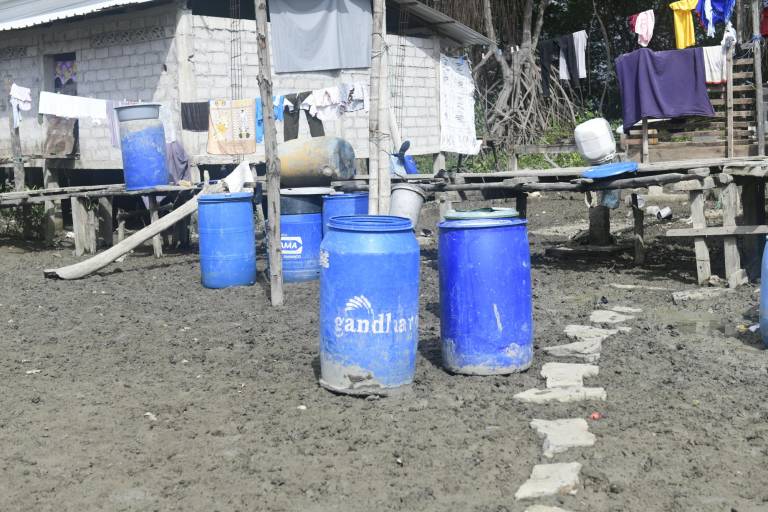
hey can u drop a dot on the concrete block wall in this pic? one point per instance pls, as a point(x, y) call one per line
point(122, 66)
point(421, 85)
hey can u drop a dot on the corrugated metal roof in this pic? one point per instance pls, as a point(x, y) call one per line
point(25, 13)
point(443, 24)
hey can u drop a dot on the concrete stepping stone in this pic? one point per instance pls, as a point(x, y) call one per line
point(605, 316)
point(561, 395)
point(560, 435)
point(544, 508)
point(588, 351)
point(567, 375)
point(550, 480)
point(588, 333)
point(625, 309)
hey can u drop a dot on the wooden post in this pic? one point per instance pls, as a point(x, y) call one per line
point(703, 266)
point(521, 205)
point(83, 226)
point(753, 203)
point(639, 217)
point(53, 219)
point(385, 141)
point(273, 162)
point(759, 100)
point(600, 226)
point(730, 205)
point(729, 104)
point(106, 226)
point(154, 216)
point(646, 156)
point(375, 118)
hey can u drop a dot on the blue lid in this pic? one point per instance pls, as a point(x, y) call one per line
point(230, 196)
point(370, 223)
point(482, 213)
point(610, 170)
point(482, 223)
point(349, 195)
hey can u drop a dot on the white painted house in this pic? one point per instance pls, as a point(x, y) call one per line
point(181, 51)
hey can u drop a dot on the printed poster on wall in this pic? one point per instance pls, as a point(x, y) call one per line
point(457, 107)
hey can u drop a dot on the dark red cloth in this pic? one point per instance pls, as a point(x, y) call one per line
point(764, 23)
point(632, 22)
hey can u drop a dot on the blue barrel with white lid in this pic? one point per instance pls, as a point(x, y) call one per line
point(142, 144)
point(227, 240)
point(369, 305)
point(486, 310)
point(340, 205)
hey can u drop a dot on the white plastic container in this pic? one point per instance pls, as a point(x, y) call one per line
point(595, 142)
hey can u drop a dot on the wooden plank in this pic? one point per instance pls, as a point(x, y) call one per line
point(154, 215)
point(736, 101)
point(703, 265)
point(53, 221)
point(717, 231)
point(729, 103)
point(646, 152)
point(274, 239)
point(743, 74)
point(729, 199)
point(533, 149)
point(757, 67)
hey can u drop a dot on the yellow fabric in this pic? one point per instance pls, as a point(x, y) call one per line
point(682, 11)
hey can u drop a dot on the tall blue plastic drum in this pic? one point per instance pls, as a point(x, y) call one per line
point(486, 313)
point(227, 241)
point(369, 305)
point(301, 231)
point(764, 297)
point(339, 205)
point(142, 142)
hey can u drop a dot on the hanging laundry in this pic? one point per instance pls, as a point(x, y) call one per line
point(292, 113)
point(325, 104)
point(232, 127)
point(278, 105)
point(642, 24)
point(194, 116)
point(278, 102)
point(658, 85)
point(683, 19)
point(177, 162)
point(715, 64)
point(567, 45)
point(169, 127)
point(547, 51)
point(354, 97)
point(712, 12)
point(64, 105)
point(580, 47)
point(21, 101)
point(764, 22)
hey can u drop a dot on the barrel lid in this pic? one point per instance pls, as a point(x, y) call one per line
point(370, 223)
point(613, 170)
point(410, 186)
point(482, 223)
point(482, 213)
point(344, 195)
point(137, 112)
point(306, 191)
point(229, 196)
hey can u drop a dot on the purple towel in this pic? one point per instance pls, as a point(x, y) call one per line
point(662, 84)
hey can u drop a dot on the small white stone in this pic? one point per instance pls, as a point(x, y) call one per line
point(150, 416)
point(562, 395)
point(302, 407)
point(32, 372)
point(544, 508)
point(550, 480)
point(589, 351)
point(567, 375)
point(559, 435)
point(625, 309)
point(604, 316)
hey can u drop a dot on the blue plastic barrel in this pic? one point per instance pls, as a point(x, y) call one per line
point(485, 295)
point(339, 205)
point(142, 143)
point(369, 304)
point(300, 237)
point(764, 297)
point(227, 242)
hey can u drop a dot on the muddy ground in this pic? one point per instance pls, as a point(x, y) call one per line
point(685, 426)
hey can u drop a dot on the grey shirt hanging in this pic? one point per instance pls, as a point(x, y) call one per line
point(316, 35)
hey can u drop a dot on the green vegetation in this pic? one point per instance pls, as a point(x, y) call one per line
point(12, 219)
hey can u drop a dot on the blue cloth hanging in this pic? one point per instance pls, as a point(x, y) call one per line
point(722, 10)
point(278, 103)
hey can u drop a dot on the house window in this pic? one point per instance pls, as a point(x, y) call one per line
point(242, 9)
